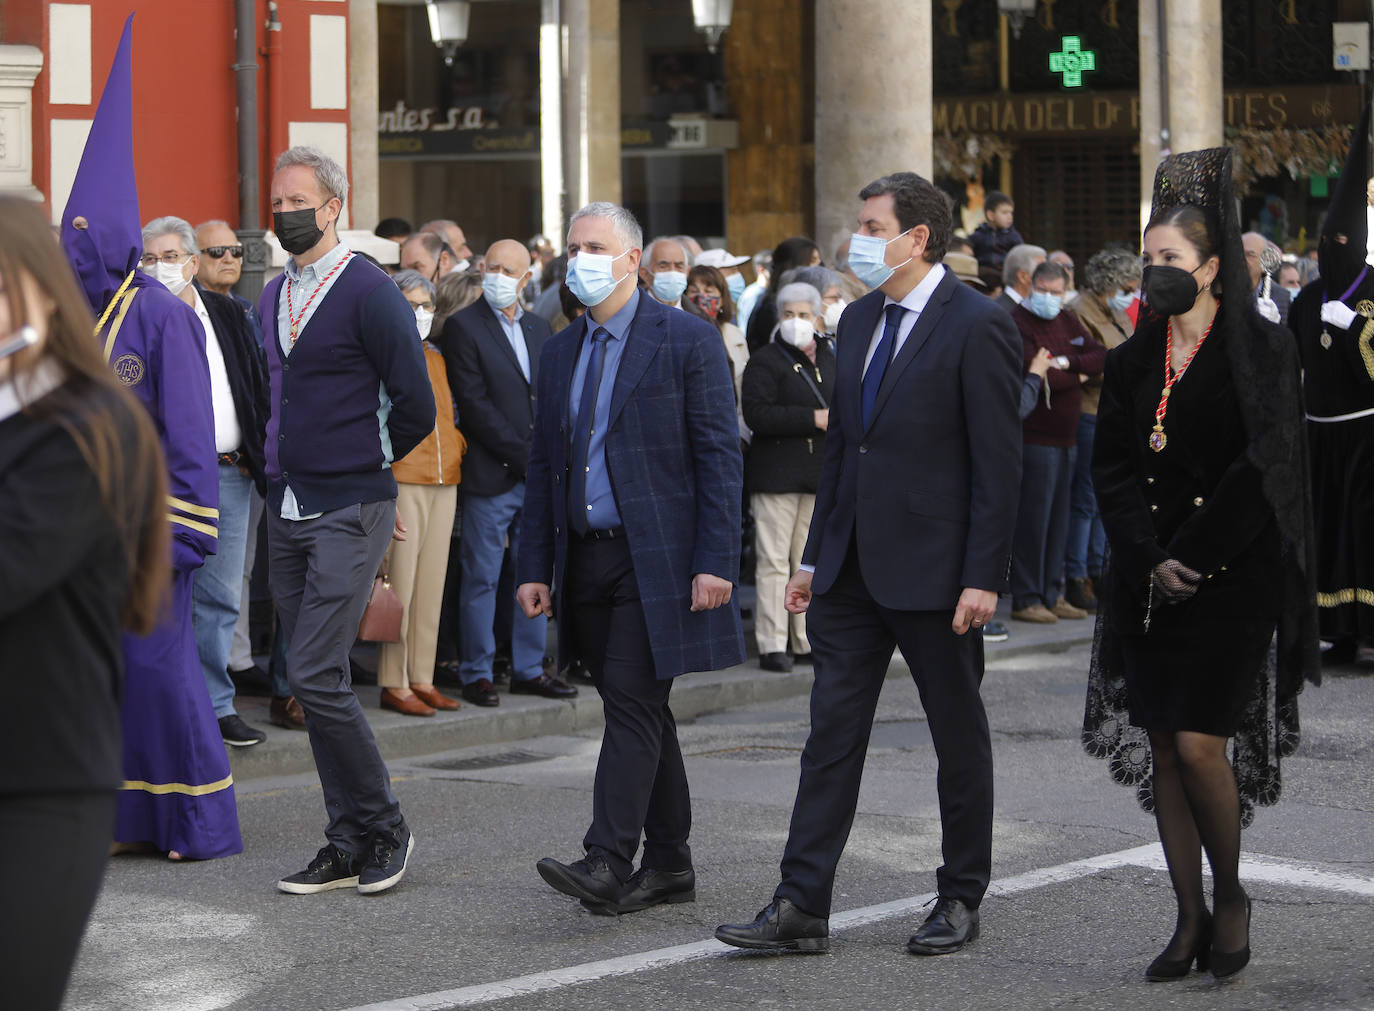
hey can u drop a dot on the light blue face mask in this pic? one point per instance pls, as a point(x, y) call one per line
point(868, 258)
point(1122, 300)
point(500, 290)
point(735, 282)
point(1045, 305)
point(590, 278)
point(669, 285)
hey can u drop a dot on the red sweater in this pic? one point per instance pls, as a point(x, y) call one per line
point(1057, 425)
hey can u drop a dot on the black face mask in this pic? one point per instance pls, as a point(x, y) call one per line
point(1169, 291)
point(296, 230)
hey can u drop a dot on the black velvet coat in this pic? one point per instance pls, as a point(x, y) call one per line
point(1200, 501)
point(780, 408)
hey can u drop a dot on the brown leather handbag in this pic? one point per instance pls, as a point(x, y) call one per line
point(382, 617)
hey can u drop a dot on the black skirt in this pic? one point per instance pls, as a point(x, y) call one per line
point(1178, 679)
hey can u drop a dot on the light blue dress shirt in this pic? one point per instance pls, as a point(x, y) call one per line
point(511, 328)
point(602, 512)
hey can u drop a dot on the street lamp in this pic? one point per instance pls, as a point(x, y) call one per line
point(1016, 11)
point(448, 25)
point(712, 17)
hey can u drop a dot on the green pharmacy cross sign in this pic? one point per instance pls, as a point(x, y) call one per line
point(1072, 61)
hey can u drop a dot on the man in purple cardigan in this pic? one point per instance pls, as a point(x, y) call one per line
point(350, 393)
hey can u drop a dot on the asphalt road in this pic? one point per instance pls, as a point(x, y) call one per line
point(1079, 902)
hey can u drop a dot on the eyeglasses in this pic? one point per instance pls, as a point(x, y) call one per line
point(170, 257)
point(216, 252)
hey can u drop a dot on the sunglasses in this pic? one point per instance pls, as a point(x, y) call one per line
point(216, 252)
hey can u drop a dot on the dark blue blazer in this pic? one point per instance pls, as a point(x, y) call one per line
point(495, 403)
point(672, 450)
point(929, 490)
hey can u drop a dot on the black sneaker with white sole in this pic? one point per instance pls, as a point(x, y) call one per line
point(388, 853)
point(331, 868)
point(238, 734)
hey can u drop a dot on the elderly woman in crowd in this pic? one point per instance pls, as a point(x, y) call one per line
point(786, 400)
point(426, 500)
point(830, 284)
point(1111, 282)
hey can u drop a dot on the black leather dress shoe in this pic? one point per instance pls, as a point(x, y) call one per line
point(547, 685)
point(949, 927)
point(780, 662)
point(779, 927)
point(481, 693)
point(589, 879)
point(649, 887)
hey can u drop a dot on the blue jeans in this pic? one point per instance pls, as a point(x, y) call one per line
point(488, 520)
point(217, 588)
point(1042, 525)
point(1087, 539)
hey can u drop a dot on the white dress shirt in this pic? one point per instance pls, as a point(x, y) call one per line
point(915, 303)
point(228, 434)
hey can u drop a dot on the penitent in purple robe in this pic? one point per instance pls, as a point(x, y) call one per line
point(178, 792)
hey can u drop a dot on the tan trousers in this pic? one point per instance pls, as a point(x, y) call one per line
point(419, 565)
point(781, 523)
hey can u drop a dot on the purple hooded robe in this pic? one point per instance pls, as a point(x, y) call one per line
point(178, 793)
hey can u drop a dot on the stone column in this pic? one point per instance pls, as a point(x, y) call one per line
point(592, 101)
point(873, 104)
point(1196, 113)
point(19, 65)
point(364, 173)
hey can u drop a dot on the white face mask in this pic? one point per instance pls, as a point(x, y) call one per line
point(424, 320)
point(832, 316)
point(797, 332)
point(171, 276)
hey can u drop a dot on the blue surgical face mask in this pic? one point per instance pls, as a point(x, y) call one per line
point(868, 258)
point(1122, 300)
point(735, 282)
point(1045, 305)
point(669, 285)
point(591, 279)
point(500, 290)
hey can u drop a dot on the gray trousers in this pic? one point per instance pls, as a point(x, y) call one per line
point(321, 574)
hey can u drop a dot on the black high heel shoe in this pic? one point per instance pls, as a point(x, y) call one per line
point(1163, 969)
point(1226, 964)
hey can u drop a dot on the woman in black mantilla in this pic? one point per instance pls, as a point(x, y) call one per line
point(1201, 475)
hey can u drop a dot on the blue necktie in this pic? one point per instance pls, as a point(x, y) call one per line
point(582, 430)
point(882, 357)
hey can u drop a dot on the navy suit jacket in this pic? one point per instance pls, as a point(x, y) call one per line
point(672, 452)
point(495, 403)
point(928, 491)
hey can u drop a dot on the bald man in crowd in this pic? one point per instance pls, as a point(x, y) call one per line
point(457, 241)
point(1270, 297)
point(492, 351)
point(429, 255)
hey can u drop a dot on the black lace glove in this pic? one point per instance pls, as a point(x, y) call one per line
point(1174, 582)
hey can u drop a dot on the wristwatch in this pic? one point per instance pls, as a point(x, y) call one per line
point(1062, 362)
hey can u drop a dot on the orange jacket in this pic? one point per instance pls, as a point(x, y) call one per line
point(437, 460)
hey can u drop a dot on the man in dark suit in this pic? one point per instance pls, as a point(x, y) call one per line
point(910, 544)
point(632, 517)
point(492, 350)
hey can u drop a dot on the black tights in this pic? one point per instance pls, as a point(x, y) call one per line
point(1197, 808)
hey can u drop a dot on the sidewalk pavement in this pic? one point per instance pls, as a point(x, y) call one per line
point(286, 752)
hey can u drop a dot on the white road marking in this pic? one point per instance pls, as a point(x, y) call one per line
point(1271, 870)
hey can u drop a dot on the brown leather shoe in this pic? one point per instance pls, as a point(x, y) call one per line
point(430, 696)
point(286, 713)
point(1036, 613)
point(405, 706)
point(1063, 609)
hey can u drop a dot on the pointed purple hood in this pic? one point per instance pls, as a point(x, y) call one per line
point(105, 192)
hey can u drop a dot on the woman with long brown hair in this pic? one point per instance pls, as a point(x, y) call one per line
point(85, 553)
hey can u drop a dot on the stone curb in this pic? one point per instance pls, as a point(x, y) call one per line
point(287, 752)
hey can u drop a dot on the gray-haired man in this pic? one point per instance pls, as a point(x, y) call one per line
point(350, 393)
point(238, 390)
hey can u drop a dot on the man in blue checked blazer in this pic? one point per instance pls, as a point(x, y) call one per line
point(630, 536)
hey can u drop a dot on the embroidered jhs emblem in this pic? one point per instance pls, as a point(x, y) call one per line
point(130, 369)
